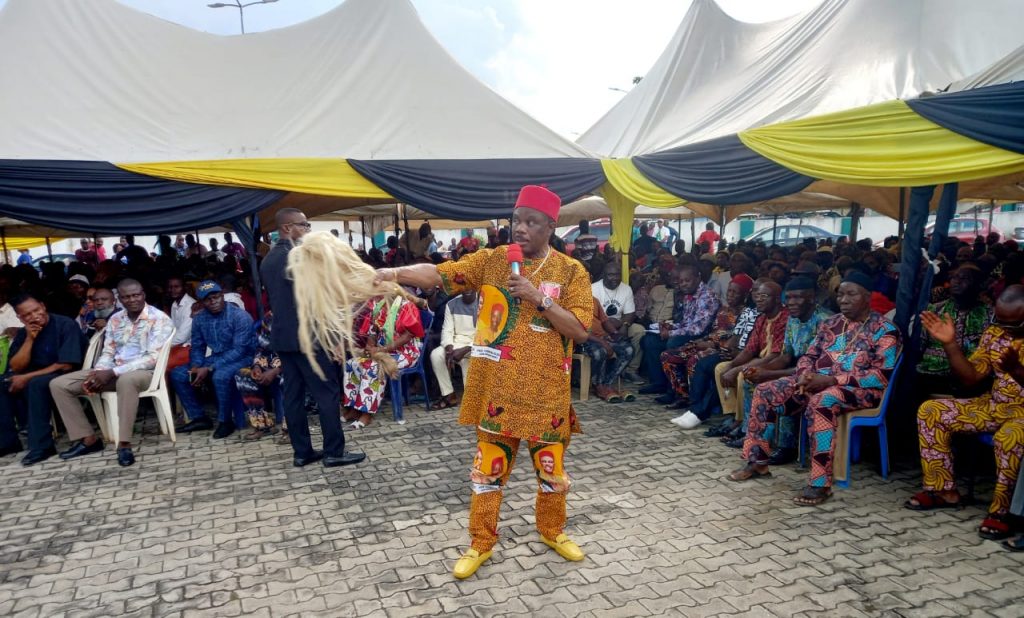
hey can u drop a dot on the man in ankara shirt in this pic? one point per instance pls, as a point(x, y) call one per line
point(846, 368)
point(223, 341)
point(517, 389)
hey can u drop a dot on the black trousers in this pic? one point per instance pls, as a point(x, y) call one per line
point(298, 378)
point(32, 403)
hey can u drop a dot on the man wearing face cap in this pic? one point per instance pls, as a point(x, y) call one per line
point(847, 367)
point(805, 318)
point(517, 387)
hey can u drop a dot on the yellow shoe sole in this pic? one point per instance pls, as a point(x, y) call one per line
point(566, 549)
point(468, 564)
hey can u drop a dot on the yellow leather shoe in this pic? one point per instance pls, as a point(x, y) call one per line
point(565, 547)
point(470, 562)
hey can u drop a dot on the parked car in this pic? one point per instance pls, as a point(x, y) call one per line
point(790, 235)
point(67, 258)
point(602, 228)
point(966, 229)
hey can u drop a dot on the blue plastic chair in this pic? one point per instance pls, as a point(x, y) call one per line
point(871, 417)
point(397, 385)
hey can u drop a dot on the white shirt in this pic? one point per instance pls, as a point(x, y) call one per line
point(621, 298)
point(9, 318)
point(235, 299)
point(181, 316)
point(459, 327)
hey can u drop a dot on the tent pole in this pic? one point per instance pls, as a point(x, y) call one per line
point(408, 245)
point(679, 228)
point(362, 233)
point(991, 211)
point(903, 212)
point(855, 213)
point(721, 224)
point(775, 227)
point(3, 237)
point(49, 248)
point(693, 233)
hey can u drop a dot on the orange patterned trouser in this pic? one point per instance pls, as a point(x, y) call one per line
point(495, 456)
point(939, 419)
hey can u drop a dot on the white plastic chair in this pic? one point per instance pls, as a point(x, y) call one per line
point(92, 353)
point(158, 391)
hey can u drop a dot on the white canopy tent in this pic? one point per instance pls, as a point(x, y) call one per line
point(719, 76)
point(97, 80)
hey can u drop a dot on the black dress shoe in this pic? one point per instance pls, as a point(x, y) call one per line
point(678, 404)
point(345, 460)
point(305, 461)
point(224, 430)
point(650, 389)
point(125, 457)
point(718, 430)
point(666, 399)
point(10, 449)
point(782, 456)
point(81, 448)
point(737, 443)
point(200, 424)
point(34, 457)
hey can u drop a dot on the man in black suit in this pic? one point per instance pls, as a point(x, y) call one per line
point(298, 373)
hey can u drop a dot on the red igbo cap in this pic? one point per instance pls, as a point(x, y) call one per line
point(540, 199)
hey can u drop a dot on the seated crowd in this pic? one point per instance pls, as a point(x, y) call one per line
point(770, 338)
point(774, 337)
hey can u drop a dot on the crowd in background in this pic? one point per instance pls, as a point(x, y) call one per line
point(721, 329)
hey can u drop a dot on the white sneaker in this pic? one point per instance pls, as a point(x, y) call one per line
point(689, 420)
point(679, 419)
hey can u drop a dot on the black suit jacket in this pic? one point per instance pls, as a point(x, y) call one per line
point(284, 334)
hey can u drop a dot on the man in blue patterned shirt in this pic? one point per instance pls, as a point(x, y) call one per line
point(805, 318)
point(223, 341)
point(692, 318)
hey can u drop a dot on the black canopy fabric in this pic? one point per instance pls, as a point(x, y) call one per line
point(993, 115)
point(471, 189)
point(720, 171)
point(101, 198)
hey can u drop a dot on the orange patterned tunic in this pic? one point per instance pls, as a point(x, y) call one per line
point(518, 382)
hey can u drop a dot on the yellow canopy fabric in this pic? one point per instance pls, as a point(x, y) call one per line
point(13, 243)
point(886, 145)
point(631, 183)
point(331, 177)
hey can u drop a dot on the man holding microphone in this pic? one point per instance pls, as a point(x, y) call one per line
point(517, 387)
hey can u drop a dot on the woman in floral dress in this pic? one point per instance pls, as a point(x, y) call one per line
point(390, 327)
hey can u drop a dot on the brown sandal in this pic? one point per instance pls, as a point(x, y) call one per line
point(813, 496)
point(444, 403)
point(748, 472)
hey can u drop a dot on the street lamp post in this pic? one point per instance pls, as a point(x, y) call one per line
point(237, 4)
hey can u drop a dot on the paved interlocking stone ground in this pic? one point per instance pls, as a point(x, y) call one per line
point(228, 528)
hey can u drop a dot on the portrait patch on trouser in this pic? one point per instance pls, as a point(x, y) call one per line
point(547, 461)
point(490, 467)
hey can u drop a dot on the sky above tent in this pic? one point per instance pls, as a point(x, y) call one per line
point(565, 63)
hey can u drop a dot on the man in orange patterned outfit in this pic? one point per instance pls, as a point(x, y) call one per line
point(517, 386)
point(1001, 410)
